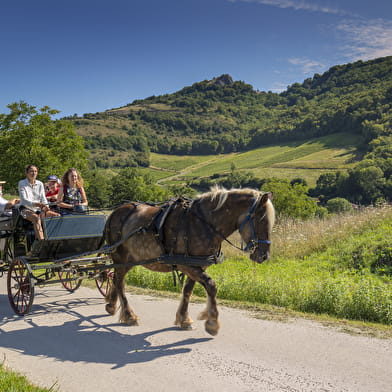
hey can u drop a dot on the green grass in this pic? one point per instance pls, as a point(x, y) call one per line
point(177, 162)
point(307, 160)
point(318, 267)
point(11, 381)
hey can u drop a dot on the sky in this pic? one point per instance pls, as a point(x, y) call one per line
point(87, 56)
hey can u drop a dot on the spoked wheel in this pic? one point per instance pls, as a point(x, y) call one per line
point(104, 281)
point(67, 282)
point(20, 286)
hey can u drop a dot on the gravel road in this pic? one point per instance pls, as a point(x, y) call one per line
point(68, 340)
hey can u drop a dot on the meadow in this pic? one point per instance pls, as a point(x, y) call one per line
point(308, 160)
point(340, 266)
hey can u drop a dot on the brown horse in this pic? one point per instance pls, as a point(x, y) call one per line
point(189, 234)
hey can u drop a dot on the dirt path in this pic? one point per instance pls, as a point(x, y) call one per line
point(69, 340)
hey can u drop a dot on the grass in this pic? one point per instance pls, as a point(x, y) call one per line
point(11, 381)
point(307, 160)
point(318, 267)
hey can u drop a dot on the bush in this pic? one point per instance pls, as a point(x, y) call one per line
point(338, 205)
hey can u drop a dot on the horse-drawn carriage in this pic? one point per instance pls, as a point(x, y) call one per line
point(67, 255)
point(182, 235)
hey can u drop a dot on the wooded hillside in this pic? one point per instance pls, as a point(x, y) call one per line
point(222, 116)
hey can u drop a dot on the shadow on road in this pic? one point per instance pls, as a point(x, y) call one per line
point(84, 339)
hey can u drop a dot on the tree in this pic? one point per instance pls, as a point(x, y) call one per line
point(130, 184)
point(98, 190)
point(291, 200)
point(31, 136)
point(365, 184)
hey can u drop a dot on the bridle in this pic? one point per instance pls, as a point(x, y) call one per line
point(253, 242)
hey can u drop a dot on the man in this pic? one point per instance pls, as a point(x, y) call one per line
point(33, 199)
point(5, 205)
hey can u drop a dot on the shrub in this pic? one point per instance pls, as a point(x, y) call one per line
point(338, 205)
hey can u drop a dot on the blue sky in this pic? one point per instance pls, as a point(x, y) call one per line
point(82, 56)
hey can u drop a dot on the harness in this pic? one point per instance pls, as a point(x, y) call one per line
point(157, 225)
point(253, 242)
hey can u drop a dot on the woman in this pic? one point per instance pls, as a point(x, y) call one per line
point(33, 200)
point(71, 196)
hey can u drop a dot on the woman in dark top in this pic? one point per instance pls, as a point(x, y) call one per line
point(72, 195)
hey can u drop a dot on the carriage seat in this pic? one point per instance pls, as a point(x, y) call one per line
point(70, 235)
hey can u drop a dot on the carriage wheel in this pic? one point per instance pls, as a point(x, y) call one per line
point(104, 281)
point(70, 285)
point(20, 286)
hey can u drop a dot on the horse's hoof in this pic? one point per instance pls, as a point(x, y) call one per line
point(132, 323)
point(212, 327)
point(186, 327)
point(110, 309)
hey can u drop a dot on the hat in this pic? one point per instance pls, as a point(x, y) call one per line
point(52, 177)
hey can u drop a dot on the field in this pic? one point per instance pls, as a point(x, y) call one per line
point(340, 266)
point(297, 159)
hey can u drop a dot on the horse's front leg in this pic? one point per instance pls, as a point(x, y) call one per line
point(210, 314)
point(182, 316)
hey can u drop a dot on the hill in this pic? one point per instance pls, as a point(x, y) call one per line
point(304, 159)
point(225, 116)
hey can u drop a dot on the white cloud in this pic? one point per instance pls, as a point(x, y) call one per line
point(365, 39)
point(297, 5)
point(307, 66)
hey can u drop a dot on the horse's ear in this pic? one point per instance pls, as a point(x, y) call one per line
point(267, 196)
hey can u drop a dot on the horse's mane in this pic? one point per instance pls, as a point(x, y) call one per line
point(221, 194)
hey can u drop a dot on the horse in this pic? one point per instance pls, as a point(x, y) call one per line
point(163, 239)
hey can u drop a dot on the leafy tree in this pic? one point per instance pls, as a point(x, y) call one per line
point(130, 184)
point(365, 185)
point(31, 136)
point(98, 189)
point(291, 200)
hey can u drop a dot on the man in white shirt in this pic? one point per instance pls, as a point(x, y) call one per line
point(33, 199)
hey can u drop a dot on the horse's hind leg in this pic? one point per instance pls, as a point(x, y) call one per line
point(182, 316)
point(117, 290)
point(111, 298)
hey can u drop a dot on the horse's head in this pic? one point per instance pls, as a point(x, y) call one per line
point(255, 227)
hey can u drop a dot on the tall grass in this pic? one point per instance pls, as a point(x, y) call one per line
point(318, 266)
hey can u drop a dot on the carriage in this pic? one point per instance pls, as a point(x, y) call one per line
point(67, 255)
point(182, 235)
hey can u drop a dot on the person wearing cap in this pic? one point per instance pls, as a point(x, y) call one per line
point(5, 205)
point(53, 188)
point(33, 200)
